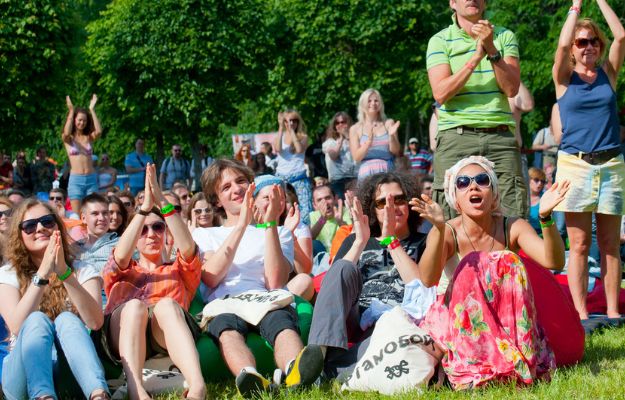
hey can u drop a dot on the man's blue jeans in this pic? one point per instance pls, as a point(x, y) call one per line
point(42, 349)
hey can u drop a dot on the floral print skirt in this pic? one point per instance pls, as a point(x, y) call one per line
point(486, 323)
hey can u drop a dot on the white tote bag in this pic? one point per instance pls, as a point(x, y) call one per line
point(251, 305)
point(400, 357)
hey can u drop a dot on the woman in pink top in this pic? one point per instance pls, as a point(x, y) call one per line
point(148, 299)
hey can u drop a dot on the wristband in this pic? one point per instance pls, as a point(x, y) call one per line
point(167, 209)
point(575, 9)
point(387, 240)
point(394, 244)
point(267, 224)
point(322, 220)
point(547, 224)
point(66, 274)
point(545, 219)
point(144, 213)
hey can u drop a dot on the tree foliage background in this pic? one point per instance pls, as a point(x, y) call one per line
point(195, 71)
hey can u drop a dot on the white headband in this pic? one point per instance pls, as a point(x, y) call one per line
point(452, 173)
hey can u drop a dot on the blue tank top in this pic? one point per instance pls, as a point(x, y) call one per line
point(589, 117)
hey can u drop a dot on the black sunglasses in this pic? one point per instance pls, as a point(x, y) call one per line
point(56, 198)
point(463, 181)
point(583, 42)
point(539, 181)
point(157, 227)
point(30, 225)
point(127, 204)
point(400, 200)
point(6, 213)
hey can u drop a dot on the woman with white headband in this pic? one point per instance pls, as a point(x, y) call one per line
point(486, 320)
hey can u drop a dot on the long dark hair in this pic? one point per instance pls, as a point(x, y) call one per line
point(90, 125)
point(368, 189)
point(122, 210)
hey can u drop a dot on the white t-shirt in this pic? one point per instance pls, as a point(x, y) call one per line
point(247, 271)
point(302, 231)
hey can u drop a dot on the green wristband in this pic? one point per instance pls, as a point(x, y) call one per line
point(387, 240)
point(167, 209)
point(547, 224)
point(66, 274)
point(267, 224)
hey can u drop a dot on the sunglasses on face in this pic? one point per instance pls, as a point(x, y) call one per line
point(536, 180)
point(199, 211)
point(400, 200)
point(463, 181)
point(157, 227)
point(30, 225)
point(185, 196)
point(6, 213)
point(56, 198)
point(339, 122)
point(583, 42)
point(127, 204)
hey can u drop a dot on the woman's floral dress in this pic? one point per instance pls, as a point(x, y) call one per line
point(486, 322)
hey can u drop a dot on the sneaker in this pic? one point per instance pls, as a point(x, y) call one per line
point(251, 383)
point(306, 368)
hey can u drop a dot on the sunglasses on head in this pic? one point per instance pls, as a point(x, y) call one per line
point(400, 200)
point(199, 211)
point(6, 213)
point(539, 180)
point(56, 198)
point(30, 225)
point(463, 181)
point(583, 42)
point(157, 227)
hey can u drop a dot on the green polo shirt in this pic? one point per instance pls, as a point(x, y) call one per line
point(480, 103)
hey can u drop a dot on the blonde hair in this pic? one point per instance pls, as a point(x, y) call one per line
point(363, 103)
point(537, 173)
point(589, 24)
point(55, 299)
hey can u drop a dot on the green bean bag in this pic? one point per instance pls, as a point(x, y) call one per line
point(213, 367)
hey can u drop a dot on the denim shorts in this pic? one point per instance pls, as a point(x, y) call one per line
point(594, 188)
point(79, 186)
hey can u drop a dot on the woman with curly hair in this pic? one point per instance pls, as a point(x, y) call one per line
point(290, 145)
point(81, 129)
point(375, 264)
point(48, 301)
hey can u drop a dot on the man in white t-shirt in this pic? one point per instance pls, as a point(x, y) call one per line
point(240, 257)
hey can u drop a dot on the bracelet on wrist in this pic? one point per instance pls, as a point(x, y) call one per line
point(547, 224)
point(66, 274)
point(394, 244)
point(267, 224)
point(387, 240)
point(143, 212)
point(545, 219)
point(575, 9)
point(167, 208)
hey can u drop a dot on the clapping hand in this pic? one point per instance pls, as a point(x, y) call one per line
point(389, 220)
point(275, 204)
point(393, 129)
point(338, 211)
point(359, 220)
point(247, 207)
point(430, 210)
point(292, 218)
point(47, 265)
point(68, 101)
point(148, 199)
point(94, 100)
point(60, 265)
point(552, 197)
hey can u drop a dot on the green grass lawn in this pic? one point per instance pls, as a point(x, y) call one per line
point(601, 375)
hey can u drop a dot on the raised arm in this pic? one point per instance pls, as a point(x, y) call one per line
point(617, 48)
point(277, 267)
point(217, 263)
point(437, 248)
point(299, 144)
point(334, 152)
point(301, 246)
point(507, 70)
point(277, 142)
point(69, 121)
point(359, 151)
point(548, 251)
point(360, 228)
point(97, 128)
point(177, 227)
point(393, 145)
point(562, 67)
point(446, 85)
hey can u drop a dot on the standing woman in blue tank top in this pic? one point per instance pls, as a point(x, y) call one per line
point(590, 155)
point(373, 139)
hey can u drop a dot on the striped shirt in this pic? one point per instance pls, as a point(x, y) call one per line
point(480, 103)
point(178, 280)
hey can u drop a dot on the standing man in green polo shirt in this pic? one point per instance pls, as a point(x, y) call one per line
point(473, 68)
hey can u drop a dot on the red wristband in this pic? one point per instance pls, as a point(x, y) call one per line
point(394, 244)
point(576, 9)
point(169, 214)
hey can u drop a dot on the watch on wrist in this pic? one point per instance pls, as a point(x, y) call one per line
point(39, 281)
point(495, 57)
point(546, 219)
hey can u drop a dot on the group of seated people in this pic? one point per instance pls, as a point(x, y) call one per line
point(74, 295)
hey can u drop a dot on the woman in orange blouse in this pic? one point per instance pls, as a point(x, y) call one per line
point(148, 299)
